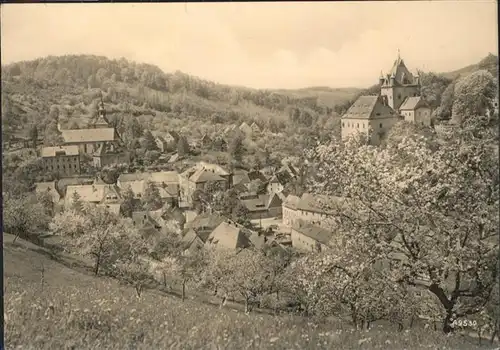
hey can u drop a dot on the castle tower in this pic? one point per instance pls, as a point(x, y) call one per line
point(399, 84)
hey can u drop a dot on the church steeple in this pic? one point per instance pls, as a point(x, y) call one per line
point(101, 121)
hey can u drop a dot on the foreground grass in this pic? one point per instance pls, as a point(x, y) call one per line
point(66, 309)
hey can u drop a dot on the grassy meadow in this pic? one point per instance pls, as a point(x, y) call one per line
point(49, 305)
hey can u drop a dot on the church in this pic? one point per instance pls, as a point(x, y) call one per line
point(101, 141)
point(399, 99)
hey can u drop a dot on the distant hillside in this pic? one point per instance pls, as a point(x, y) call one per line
point(326, 96)
point(489, 63)
point(66, 88)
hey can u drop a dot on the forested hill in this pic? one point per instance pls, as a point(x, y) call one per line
point(66, 87)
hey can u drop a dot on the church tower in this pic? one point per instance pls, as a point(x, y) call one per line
point(101, 121)
point(398, 84)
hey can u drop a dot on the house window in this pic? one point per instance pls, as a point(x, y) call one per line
point(357, 125)
point(380, 125)
point(399, 96)
point(342, 124)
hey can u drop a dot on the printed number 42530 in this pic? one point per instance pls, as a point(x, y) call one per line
point(464, 323)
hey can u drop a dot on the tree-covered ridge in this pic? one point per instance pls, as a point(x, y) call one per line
point(65, 89)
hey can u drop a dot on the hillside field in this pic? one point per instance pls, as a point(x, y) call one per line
point(70, 309)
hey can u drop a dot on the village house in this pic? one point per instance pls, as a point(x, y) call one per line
point(167, 183)
point(205, 141)
point(199, 229)
point(50, 189)
point(308, 237)
point(240, 176)
point(146, 225)
point(416, 110)
point(167, 142)
point(276, 183)
point(246, 129)
point(231, 236)
point(107, 155)
point(290, 210)
point(257, 175)
point(262, 206)
point(255, 128)
point(107, 196)
point(196, 177)
point(219, 144)
point(311, 208)
point(63, 160)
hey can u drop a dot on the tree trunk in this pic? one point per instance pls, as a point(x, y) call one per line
point(183, 290)
point(447, 328)
point(164, 279)
point(246, 305)
point(215, 291)
point(138, 290)
point(411, 321)
point(223, 301)
point(97, 265)
point(495, 332)
point(479, 335)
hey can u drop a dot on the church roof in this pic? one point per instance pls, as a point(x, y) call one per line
point(89, 135)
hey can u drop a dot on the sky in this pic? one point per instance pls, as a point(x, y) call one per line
point(261, 45)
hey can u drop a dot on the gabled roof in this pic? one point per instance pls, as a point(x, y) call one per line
point(240, 176)
point(274, 201)
point(291, 202)
point(133, 177)
point(255, 127)
point(412, 103)
point(87, 193)
point(369, 107)
point(63, 184)
point(169, 191)
point(317, 233)
point(256, 175)
point(255, 204)
point(166, 177)
point(137, 186)
point(202, 175)
point(245, 128)
point(228, 236)
point(60, 150)
point(316, 203)
point(205, 221)
point(89, 135)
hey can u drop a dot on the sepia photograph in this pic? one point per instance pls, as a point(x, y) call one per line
point(250, 175)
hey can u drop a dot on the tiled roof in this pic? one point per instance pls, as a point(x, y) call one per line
point(206, 221)
point(412, 103)
point(87, 193)
point(133, 177)
point(368, 107)
point(228, 236)
point(137, 187)
point(317, 233)
point(291, 202)
point(65, 150)
point(203, 175)
point(63, 184)
point(169, 191)
point(317, 203)
point(255, 204)
point(89, 135)
point(256, 175)
point(240, 177)
point(165, 177)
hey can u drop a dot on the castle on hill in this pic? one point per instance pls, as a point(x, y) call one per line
point(399, 99)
